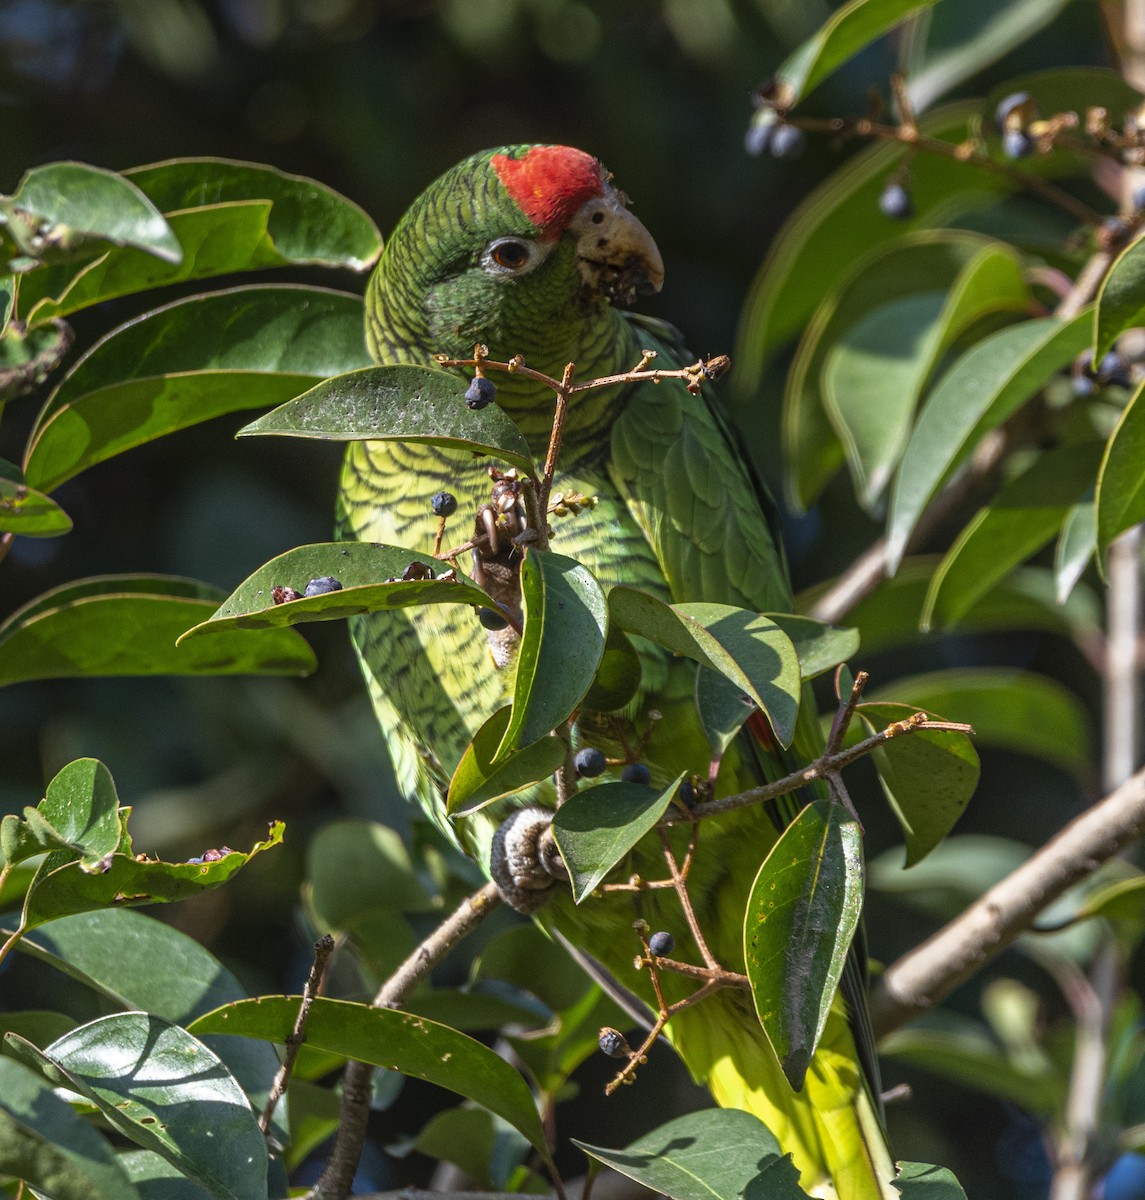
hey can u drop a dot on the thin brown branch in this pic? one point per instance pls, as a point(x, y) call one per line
point(323, 948)
point(563, 392)
point(845, 713)
point(929, 972)
point(338, 1176)
point(680, 883)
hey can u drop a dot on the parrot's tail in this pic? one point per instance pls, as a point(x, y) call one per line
point(831, 1128)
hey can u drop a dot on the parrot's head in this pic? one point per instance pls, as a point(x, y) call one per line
point(511, 247)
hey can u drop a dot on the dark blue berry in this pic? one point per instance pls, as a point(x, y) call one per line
point(444, 504)
point(636, 773)
point(1083, 386)
point(895, 202)
point(661, 944)
point(491, 619)
point(614, 1043)
point(480, 392)
point(788, 142)
point(686, 794)
point(322, 585)
point(758, 137)
point(1113, 369)
point(589, 762)
point(1007, 106)
point(1017, 144)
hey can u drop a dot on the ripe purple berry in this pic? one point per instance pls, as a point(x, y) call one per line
point(480, 392)
point(444, 504)
point(895, 202)
point(686, 794)
point(636, 773)
point(322, 585)
point(758, 137)
point(787, 142)
point(589, 762)
point(614, 1043)
point(661, 944)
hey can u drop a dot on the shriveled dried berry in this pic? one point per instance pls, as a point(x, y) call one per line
point(322, 585)
point(614, 1043)
point(417, 570)
point(283, 595)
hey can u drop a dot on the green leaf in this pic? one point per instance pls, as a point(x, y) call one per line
point(62, 888)
point(748, 649)
point(403, 404)
point(1016, 710)
point(128, 625)
point(78, 204)
point(47, 1144)
point(961, 39)
point(562, 643)
point(371, 578)
point(597, 826)
point(820, 648)
point(1120, 300)
point(29, 513)
point(189, 361)
point(925, 1181)
point(157, 1179)
point(1121, 901)
point(79, 812)
point(164, 1090)
point(395, 1040)
point(989, 383)
point(481, 777)
point(476, 1141)
point(1120, 496)
point(715, 1154)
point(722, 709)
point(1077, 544)
point(928, 777)
point(29, 356)
point(801, 915)
point(618, 676)
point(357, 867)
point(920, 263)
point(849, 30)
point(1021, 518)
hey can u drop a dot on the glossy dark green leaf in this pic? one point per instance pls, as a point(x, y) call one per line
point(481, 777)
point(1120, 496)
point(404, 404)
point(925, 1181)
point(566, 619)
point(1077, 544)
point(473, 1139)
point(128, 625)
point(928, 777)
point(357, 867)
point(722, 708)
point(984, 387)
point(371, 578)
point(714, 1154)
point(959, 40)
point(595, 828)
point(156, 1179)
point(134, 961)
point(1025, 514)
point(44, 1142)
point(309, 222)
point(72, 203)
point(820, 648)
point(61, 888)
point(37, 1025)
point(189, 361)
point(29, 356)
point(920, 263)
point(167, 1092)
point(802, 913)
point(849, 30)
point(1121, 299)
point(29, 513)
point(79, 812)
point(748, 649)
point(1016, 710)
point(534, 964)
point(618, 676)
point(396, 1040)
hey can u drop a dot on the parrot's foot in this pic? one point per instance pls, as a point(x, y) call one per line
point(524, 860)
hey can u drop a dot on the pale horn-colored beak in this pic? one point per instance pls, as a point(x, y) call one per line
point(616, 255)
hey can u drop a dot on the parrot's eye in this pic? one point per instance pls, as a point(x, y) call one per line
point(509, 255)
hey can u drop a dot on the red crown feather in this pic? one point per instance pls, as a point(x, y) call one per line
point(549, 184)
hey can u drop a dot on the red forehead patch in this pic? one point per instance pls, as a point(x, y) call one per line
point(549, 183)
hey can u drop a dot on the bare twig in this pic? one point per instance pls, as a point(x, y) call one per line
point(338, 1176)
point(923, 976)
point(323, 948)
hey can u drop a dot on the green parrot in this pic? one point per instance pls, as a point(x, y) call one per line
point(532, 251)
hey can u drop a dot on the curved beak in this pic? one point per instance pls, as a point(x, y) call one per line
point(616, 255)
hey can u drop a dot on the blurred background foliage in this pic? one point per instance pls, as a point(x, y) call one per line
point(375, 99)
